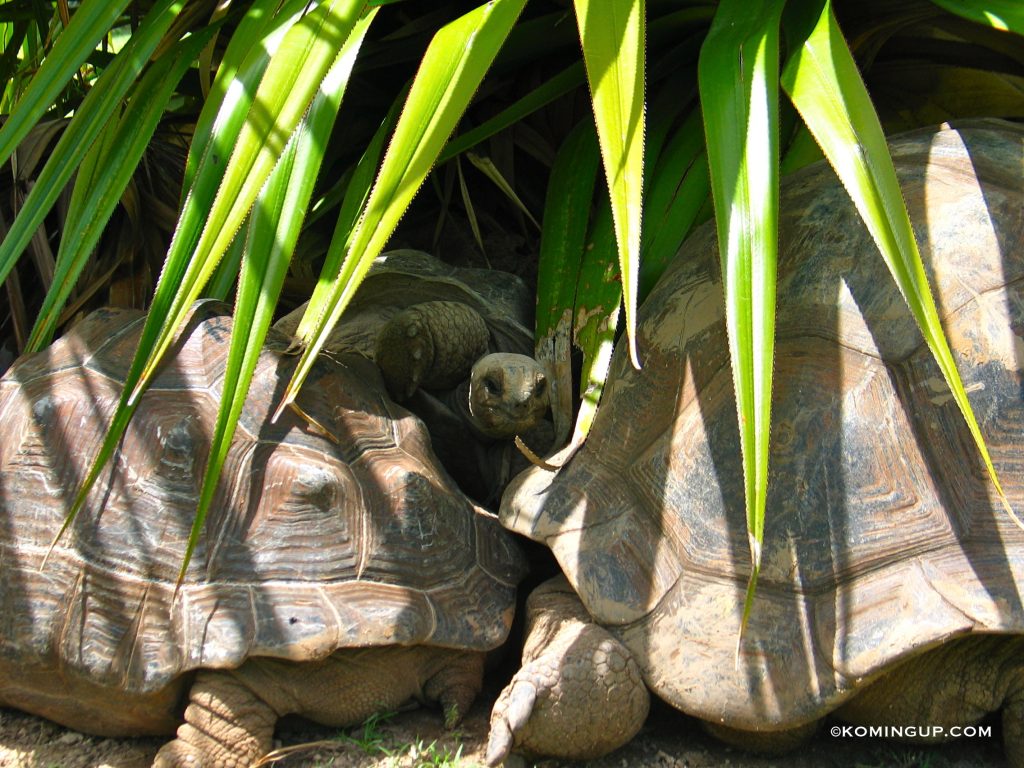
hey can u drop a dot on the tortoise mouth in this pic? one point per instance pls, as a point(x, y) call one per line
point(505, 421)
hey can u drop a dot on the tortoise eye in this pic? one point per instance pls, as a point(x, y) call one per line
point(492, 385)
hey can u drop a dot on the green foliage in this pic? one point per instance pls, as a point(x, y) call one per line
point(369, 737)
point(449, 74)
point(562, 252)
point(433, 755)
point(822, 80)
point(342, 109)
point(374, 742)
point(739, 98)
point(613, 37)
point(104, 175)
point(90, 117)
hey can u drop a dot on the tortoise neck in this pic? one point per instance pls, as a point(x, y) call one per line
point(458, 401)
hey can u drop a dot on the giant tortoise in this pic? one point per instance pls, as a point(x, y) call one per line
point(891, 585)
point(454, 347)
point(340, 570)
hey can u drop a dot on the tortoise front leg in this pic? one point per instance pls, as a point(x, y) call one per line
point(579, 693)
point(226, 726)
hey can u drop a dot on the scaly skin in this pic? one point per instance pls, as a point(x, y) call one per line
point(955, 684)
point(430, 345)
point(579, 693)
point(230, 718)
point(576, 698)
point(437, 345)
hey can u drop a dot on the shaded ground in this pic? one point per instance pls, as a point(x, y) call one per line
point(417, 740)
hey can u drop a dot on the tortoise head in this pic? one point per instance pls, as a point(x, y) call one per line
point(508, 394)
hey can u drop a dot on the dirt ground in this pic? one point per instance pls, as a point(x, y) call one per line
point(417, 739)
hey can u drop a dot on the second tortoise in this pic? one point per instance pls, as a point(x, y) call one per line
point(453, 346)
point(891, 577)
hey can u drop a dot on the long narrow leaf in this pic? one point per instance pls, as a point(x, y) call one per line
point(612, 34)
point(452, 68)
point(566, 80)
point(679, 189)
point(253, 42)
point(1001, 14)
point(205, 169)
point(158, 318)
point(567, 207)
point(352, 204)
point(91, 22)
point(225, 278)
point(487, 167)
point(272, 232)
point(12, 35)
point(94, 112)
point(96, 194)
point(822, 80)
point(309, 50)
point(738, 79)
point(598, 306)
point(675, 96)
point(90, 172)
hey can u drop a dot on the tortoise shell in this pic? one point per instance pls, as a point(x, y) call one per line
point(883, 535)
point(313, 543)
point(401, 278)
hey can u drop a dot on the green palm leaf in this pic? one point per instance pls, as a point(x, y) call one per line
point(596, 316)
point(1001, 14)
point(308, 51)
point(91, 21)
point(738, 76)
point(612, 33)
point(184, 277)
point(563, 247)
point(245, 60)
point(565, 81)
point(452, 68)
point(356, 194)
point(678, 192)
point(89, 120)
point(110, 166)
point(822, 79)
point(270, 236)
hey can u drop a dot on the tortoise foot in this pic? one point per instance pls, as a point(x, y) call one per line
point(579, 694)
point(456, 683)
point(226, 726)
